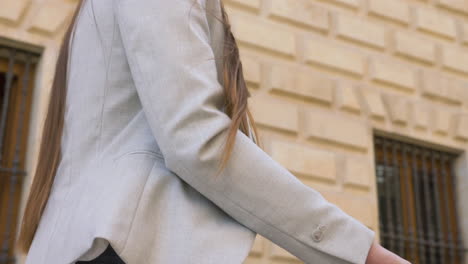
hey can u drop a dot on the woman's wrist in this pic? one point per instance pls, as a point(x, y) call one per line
point(380, 255)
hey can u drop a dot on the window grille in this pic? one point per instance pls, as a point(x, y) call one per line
point(16, 85)
point(417, 205)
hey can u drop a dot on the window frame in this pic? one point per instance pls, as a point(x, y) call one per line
point(410, 228)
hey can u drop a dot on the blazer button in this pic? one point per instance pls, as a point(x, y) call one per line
point(317, 236)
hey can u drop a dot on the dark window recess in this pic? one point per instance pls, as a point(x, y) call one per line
point(417, 203)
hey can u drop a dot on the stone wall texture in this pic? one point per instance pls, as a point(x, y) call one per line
point(325, 76)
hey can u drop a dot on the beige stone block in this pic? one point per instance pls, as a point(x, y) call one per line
point(408, 44)
point(51, 16)
point(395, 9)
point(398, 108)
point(358, 29)
point(357, 172)
point(301, 11)
point(334, 128)
point(392, 72)
point(278, 252)
point(442, 120)
point(374, 103)
point(464, 37)
point(274, 113)
point(461, 128)
point(432, 20)
point(257, 247)
point(347, 98)
point(349, 3)
point(437, 85)
point(327, 54)
point(266, 35)
point(360, 208)
point(304, 160)
point(455, 5)
point(454, 58)
point(463, 91)
point(303, 83)
point(249, 3)
point(251, 68)
point(12, 10)
point(421, 115)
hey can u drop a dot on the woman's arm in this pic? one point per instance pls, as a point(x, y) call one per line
point(167, 43)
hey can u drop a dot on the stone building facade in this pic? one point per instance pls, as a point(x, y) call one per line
point(326, 77)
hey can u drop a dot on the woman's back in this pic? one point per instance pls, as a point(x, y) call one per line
point(112, 182)
point(141, 137)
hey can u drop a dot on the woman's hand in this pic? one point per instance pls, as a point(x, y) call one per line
point(380, 255)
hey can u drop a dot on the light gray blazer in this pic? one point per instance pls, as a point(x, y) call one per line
point(142, 140)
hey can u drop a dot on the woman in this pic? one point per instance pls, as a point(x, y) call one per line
point(153, 156)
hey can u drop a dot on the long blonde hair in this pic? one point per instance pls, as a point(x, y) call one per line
point(236, 94)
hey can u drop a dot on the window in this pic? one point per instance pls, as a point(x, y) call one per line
point(417, 205)
point(17, 71)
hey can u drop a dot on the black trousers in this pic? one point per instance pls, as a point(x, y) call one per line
point(109, 256)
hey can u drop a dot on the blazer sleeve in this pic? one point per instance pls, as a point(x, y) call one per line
point(168, 48)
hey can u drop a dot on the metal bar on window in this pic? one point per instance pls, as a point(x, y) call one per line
point(6, 98)
point(458, 243)
point(418, 207)
point(412, 240)
point(438, 234)
point(445, 183)
point(428, 211)
point(399, 249)
point(388, 199)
